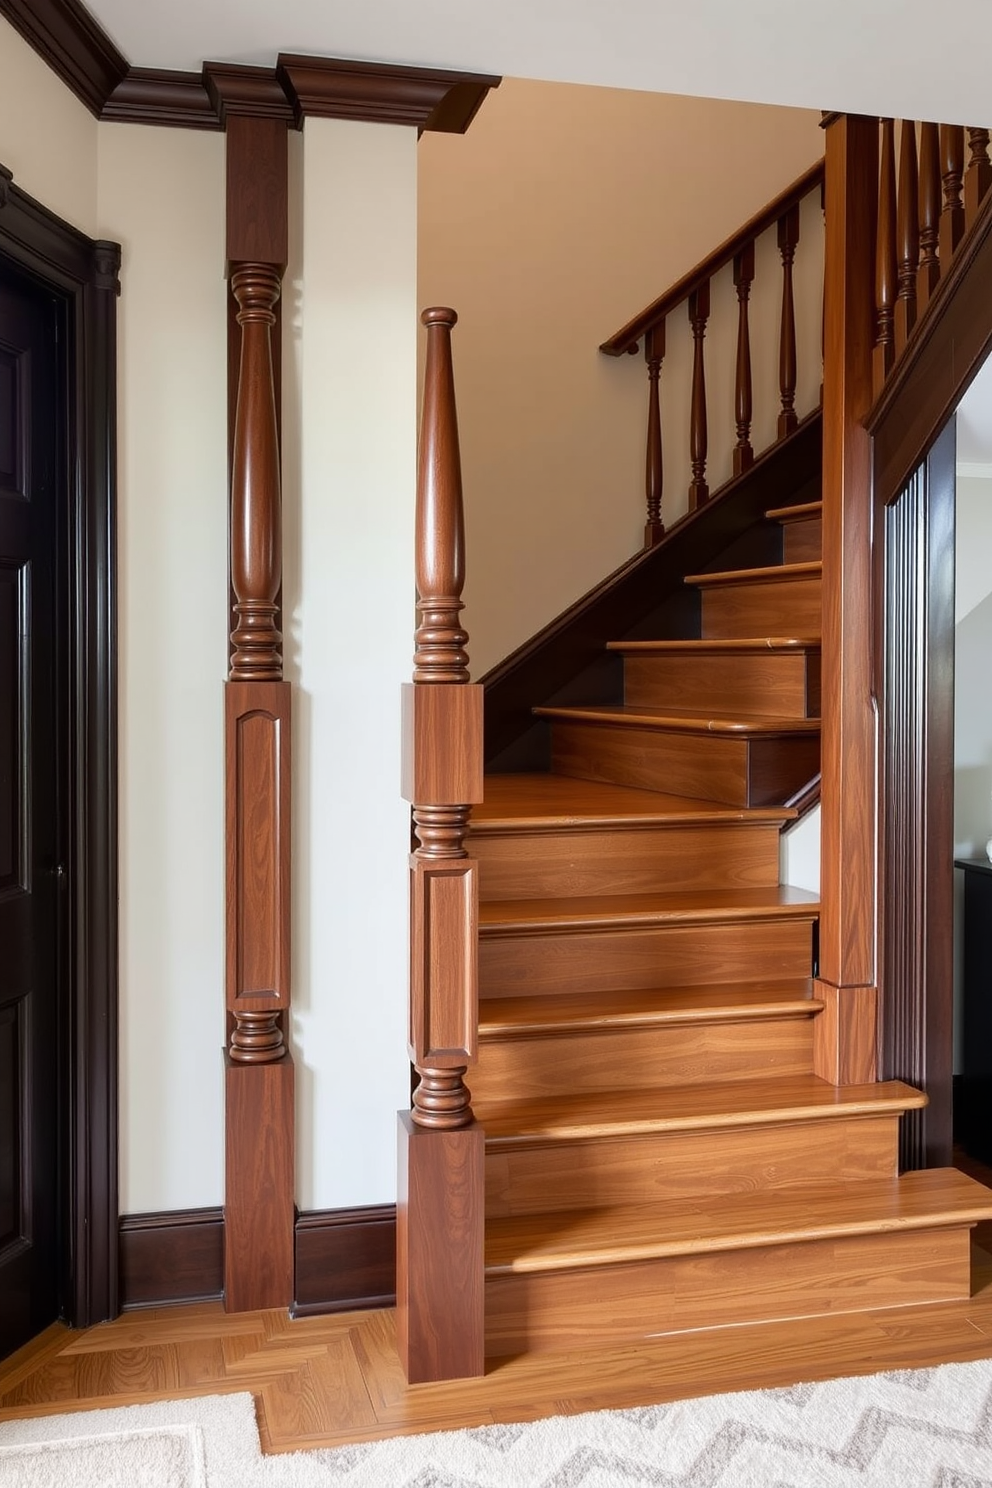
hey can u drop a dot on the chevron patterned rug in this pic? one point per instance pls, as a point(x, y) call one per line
point(926, 1428)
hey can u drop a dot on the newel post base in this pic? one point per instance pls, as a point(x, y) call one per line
point(259, 1213)
point(440, 1277)
point(845, 1034)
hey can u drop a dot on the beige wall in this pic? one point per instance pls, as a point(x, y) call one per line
point(560, 214)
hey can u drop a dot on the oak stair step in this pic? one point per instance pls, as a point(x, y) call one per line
point(621, 942)
point(623, 1273)
point(760, 676)
point(541, 834)
point(756, 602)
point(743, 760)
point(802, 538)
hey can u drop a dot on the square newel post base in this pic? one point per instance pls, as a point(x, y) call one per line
point(440, 1265)
point(259, 1199)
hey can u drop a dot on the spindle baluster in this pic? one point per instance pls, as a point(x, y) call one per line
point(952, 176)
point(654, 353)
point(885, 258)
point(979, 173)
point(699, 314)
point(928, 274)
point(743, 402)
point(788, 239)
point(907, 233)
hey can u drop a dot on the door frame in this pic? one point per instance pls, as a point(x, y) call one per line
point(83, 275)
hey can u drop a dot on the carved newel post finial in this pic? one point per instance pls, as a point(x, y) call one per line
point(256, 558)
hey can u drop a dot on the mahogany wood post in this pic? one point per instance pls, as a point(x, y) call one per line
point(743, 404)
point(440, 1277)
point(952, 177)
point(699, 314)
point(885, 259)
point(907, 234)
point(845, 1037)
point(654, 474)
point(788, 241)
point(259, 1190)
point(978, 176)
point(928, 274)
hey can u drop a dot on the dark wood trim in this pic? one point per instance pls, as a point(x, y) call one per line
point(945, 350)
point(74, 45)
point(804, 800)
point(345, 1258)
point(150, 95)
point(625, 340)
point(82, 275)
point(432, 99)
point(548, 667)
point(252, 92)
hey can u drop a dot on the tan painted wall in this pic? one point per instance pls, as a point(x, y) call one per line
point(560, 214)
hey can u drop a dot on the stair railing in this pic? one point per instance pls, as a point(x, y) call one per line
point(441, 1180)
point(693, 290)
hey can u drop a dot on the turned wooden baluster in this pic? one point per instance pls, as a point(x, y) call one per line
point(907, 234)
point(928, 274)
point(978, 176)
point(654, 476)
point(743, 409)
point(699, 314)
point(256, 558)
point(885, 259)
point(788, 240)
point(952, 176)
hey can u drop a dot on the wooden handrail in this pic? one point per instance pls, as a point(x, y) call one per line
point(626, 339)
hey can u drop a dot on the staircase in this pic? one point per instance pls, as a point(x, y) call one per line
point(659, 1155)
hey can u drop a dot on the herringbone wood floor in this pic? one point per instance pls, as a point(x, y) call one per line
point(328, 1381)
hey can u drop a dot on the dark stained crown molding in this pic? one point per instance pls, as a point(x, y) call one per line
point(76, 47)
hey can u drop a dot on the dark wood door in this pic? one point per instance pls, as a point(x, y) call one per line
point(31, 1096)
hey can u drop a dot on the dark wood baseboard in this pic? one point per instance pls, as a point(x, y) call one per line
point(345, 1258)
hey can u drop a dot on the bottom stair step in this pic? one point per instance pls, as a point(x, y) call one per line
point(584, 1279)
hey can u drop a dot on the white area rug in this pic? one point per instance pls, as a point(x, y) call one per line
point(927, 1428)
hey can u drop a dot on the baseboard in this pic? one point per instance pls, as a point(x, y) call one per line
point(345, 1258)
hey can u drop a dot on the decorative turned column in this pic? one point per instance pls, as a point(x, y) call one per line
point(654, 465)
point(978, 176)
point(885, 261)
point(788, 242)
point(260, 1188)
point(928, 274)
point(699, 314)
point(907, 233)
point(743, 406)
point(441, 1206)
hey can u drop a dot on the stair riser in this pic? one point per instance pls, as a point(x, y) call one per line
point(670, 956)
point(608, 1305)
point(710, 767)
point(639, 860)
point(671, 1166)
point(778, 684)
point(782, 607)
point(628, 1059)
point(802, 541)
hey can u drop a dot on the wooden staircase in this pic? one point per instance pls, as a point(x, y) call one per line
point(659, 1155)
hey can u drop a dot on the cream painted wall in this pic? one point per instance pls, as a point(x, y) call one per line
point(561, 213)
point(47, 137)
point(349, 603)
point(161, 195)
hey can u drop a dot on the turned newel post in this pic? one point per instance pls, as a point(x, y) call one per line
point(441, 1179)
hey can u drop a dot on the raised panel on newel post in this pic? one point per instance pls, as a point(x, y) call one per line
point(440, 1218)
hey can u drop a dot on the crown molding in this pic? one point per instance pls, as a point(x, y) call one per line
point(80, 52)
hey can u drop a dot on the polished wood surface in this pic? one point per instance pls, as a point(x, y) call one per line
point(699, 313)
point(952, 217)
point(978, 176)
point(654, 471)
point(603, 911)
point(526, 1017)
point(885, 259)
point(928, 274)
point(746, 603)
point(771, 678)
point(259, 1184)
point(907, 234)
point(743, 397)
point(788, 241)
point(535, 801)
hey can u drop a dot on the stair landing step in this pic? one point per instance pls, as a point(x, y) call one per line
point(806, 510)
point(724, 1104)
point(536, 801)
point(779, 573)
point(740, 726)
point(737, 646)
point(934, 1198)
point(616, 911)
point(585, 1012)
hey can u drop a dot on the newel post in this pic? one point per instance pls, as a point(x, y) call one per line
point(441, 1175)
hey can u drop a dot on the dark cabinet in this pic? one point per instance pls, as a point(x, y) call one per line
point(973, 1086)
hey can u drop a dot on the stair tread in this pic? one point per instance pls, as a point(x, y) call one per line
point(612, 911)
point(545, 800)
point(517, 1017)
point(928, 1199)
point(741, 725)
point(730, 1103)
point(750, 645)
point(777, 573)
point(795, 513)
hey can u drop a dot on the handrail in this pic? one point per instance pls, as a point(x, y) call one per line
point(626, 339)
